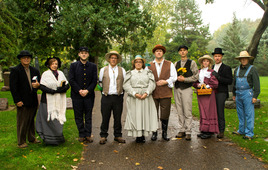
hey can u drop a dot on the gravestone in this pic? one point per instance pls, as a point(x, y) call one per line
point(3, 104)
point(6, 81)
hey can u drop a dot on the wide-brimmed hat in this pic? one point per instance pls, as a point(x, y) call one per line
point(58, 59)
point(138, 57)
point(183, 46)
point(158, 46)
point(200, 60)
point(24, 53)
point(244, 54)
point(83, 49)
point(119, 57)
point(218, 51)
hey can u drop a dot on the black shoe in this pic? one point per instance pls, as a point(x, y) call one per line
point(154, 136)
point(205, 136)
point(220, 135)
point(199, 135)
point(140, 139)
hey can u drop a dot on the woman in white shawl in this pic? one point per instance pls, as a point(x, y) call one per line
point(141, 119)
point(51, 114)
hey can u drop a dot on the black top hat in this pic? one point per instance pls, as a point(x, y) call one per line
point(58, 59)
point(183, 46)
point(83, 49)
point(217, 51)
point(24, 53)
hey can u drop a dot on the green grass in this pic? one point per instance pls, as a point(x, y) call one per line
point(258, 146)
point(36, 155)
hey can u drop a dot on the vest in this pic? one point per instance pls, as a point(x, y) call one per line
point(106, 81)
point(189, 73)
point(161, 91)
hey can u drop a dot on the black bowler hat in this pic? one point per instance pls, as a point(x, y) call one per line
point(24, 53)
point(183, 46)
point(217, 51)
point(58, 59)
point(83, 49)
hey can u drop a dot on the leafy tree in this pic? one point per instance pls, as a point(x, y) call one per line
point(253, 45)
point(232, 43)
point(98, 24)
point(187, 28)
point(261, 61)
point(9, 28)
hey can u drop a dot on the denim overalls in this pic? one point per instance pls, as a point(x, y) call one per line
point(244, 105)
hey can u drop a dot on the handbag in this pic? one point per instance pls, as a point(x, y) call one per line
point(204, 90)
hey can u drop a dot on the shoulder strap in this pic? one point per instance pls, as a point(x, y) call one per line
point(248, 70)
point(237, 72)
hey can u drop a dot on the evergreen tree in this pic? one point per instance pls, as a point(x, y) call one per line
point(232, 43)
point(261, 61)
point(186, 29)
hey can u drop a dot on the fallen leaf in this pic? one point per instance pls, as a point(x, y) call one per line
point(260, 159)
point(174, 138)
point(24, 156)
point(100, 163)
point(225, 168)
point(205, 147)
point(126, 157)
point(40, 157)
point(115, 151)
point(82, 159)
point(58, 153)
point(137, 164)
point(43, 167)
point(74, 167)
point(93, 161)
point(264, 150)
point(75, 159)
point(245, 158)
point(31, 150)
point(257, 142)
point(160, 167)
point(57, 156)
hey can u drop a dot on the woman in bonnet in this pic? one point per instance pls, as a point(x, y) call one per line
point(207, 103)
point(51, 114)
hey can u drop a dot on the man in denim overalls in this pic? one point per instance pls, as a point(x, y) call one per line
point(245, 92)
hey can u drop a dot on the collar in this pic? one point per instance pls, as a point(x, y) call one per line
point(138, 70)
point(218, 65)
point(205, 69)
point(161, 61)
point(246, 67)
point(110, 67)
point(87, 63)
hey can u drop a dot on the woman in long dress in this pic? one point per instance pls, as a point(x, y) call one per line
point(141, 119)
point(51, 114)
point(207, 103)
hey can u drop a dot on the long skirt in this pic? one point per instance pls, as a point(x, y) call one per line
point(49, 131)
point(208, 113)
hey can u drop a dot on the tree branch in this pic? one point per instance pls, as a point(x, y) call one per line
point(260, 3)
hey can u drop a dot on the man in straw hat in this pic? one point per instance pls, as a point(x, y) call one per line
point(24, 83)
point(183, 92)
point(165, 75)
point(245, 92)
point(83, 80)
point(112, 78)
point(223, 73)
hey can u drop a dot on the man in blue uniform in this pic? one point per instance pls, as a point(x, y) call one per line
point(83, 79)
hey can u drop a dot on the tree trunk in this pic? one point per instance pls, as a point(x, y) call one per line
point(253, 46)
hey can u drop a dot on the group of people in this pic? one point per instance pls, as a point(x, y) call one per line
point(149, 92)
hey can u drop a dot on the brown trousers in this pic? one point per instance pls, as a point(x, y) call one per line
point(165, 105)
point(25, 124)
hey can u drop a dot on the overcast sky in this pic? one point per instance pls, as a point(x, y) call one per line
point(221, 12)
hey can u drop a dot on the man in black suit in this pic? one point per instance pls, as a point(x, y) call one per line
point(224, 75)
point(83, 79)
point(24, 83)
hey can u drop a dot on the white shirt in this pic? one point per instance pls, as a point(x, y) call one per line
point(113, 73)
point(204, 73)
point(173, 73)
point(217, 67)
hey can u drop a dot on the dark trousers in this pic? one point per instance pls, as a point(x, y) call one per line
point(111, 104)
point(220, 101)
point(165, 105)
point(83, 107)
point(25, 124)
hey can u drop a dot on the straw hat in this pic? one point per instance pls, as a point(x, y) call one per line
point(119, 57)
point(244, 54)
point(138, 57)
point(200, 60)
point(158, 46)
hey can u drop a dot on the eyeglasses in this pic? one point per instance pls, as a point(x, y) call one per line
point(138, 62)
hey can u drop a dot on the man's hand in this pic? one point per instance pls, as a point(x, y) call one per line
point(254, 100)
point(233, 98)
point(214, 73)
point(19, 104)
point(180, 78)
point(35, 84)
point(83, 93)
point(161, 82)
